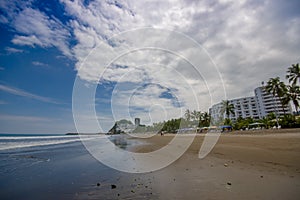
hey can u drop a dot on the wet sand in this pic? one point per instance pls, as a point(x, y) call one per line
point(243, 165)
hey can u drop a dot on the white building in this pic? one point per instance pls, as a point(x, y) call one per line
point(256, 107)
point(243, 107)
point(137, 121)
point(268, 104)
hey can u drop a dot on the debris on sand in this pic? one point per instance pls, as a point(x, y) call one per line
point(113, 186)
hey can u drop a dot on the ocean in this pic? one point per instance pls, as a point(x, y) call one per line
point(58, 167)
point(19, 141)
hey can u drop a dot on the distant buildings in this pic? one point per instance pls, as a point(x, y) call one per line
point(137, 121)
point(256, 107)
point(125, 126)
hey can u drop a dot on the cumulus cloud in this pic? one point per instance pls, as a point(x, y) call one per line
point(34, 28)
point(38, 29)
point(249, 41)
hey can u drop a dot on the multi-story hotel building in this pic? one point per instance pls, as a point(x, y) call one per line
point(268, 104)
point(256, 107)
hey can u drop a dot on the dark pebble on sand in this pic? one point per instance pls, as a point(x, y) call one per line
point(113, 186)
point(98, 184)
point(261, 176)
point(228, 183)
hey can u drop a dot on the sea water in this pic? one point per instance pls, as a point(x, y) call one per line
point(50, 166)
point(16, 141)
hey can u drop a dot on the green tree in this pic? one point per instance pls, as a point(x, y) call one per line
point(293, 95)
point(172, 125)
point(293, 74)
point(242, 123)
point(187, 115)
point(227, 121)
point(288, 121)
point(277, 88)
point(205, 119)
point(196, 115)
point(270, 118)
point(227, 108)
point(265, 121)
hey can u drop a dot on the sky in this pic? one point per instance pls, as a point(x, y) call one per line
point(67, 65)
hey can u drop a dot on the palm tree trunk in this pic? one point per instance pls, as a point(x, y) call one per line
point(276, 111)
point(282, 105)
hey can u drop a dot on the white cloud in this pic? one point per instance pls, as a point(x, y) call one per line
point(36, 28)
point(22, 93)
point(11, 8)
point(13, 50)
point(37, 63)
point(27, 40)
point(250, 41)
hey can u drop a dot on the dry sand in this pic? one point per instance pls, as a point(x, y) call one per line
point(261, 164)
point(243, 165)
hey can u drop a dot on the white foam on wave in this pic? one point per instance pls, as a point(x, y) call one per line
point(7, 143)
point(36, 137)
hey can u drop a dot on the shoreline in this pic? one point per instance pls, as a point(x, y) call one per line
point(261, 165)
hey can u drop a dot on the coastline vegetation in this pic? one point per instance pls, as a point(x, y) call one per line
point(193, 119)
point(286, 92)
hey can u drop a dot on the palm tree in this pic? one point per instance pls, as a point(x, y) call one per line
point(194, 115)
point(293, 94)
point(227, 108)
point(187, 115)
point(276, 88)
point(293, 74)
point(197, 115)
point(205, 119)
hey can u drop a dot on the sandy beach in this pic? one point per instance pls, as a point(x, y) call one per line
point(243, 165)
point(262, 164)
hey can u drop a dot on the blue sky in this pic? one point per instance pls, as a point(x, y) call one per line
point(220, 49)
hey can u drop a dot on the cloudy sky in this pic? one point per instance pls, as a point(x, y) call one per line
point(126, 59)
